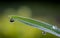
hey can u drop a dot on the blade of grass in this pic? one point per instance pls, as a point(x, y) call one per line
point(39, 24)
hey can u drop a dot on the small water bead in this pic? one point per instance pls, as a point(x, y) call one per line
point(44, 33)
point(54, 27)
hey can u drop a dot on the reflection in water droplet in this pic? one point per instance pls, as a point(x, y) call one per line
point(44, 33)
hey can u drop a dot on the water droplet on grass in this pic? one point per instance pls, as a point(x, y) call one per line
point(44, 33)
point(54, 27)
point(11, 20)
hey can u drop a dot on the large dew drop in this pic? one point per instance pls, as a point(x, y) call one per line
point(11, 20)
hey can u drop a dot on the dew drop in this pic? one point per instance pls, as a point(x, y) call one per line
point(11, 20)
point(54, 27)
point(44, 33)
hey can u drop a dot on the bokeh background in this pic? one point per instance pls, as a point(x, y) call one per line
point(46, 11)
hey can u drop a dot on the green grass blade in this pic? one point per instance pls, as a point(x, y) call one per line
point(39, 24)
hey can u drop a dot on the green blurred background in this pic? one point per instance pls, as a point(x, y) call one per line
point(46, 11)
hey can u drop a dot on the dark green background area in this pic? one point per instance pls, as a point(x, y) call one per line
point(38, 8)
